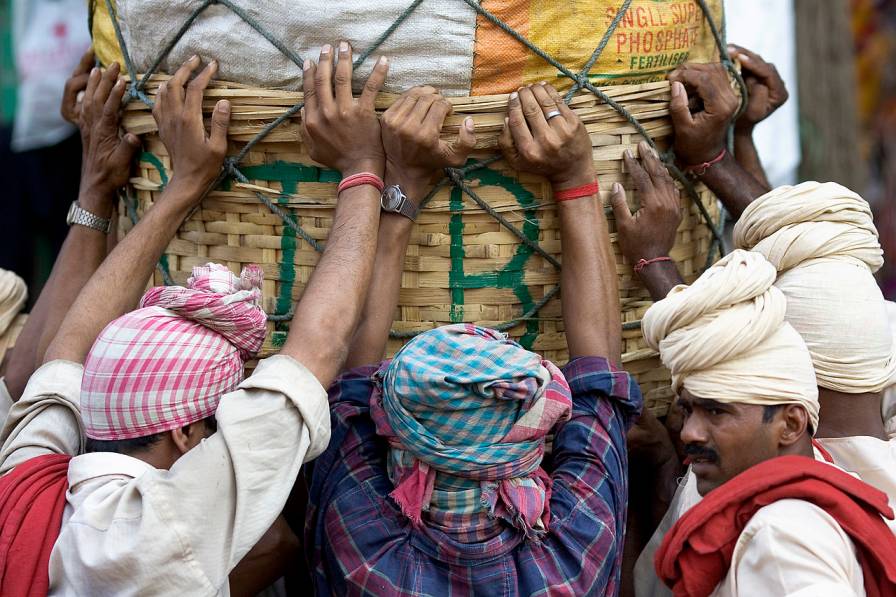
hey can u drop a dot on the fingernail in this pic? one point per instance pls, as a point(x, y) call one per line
point(514, 96)
point(617, 188)
point(543, 83)
point(628, 154)
point(223, 106)
point(343, 46)
point(506, 120)
point(194, 58)
point(325, 49)
point(384, 60)
point(94, 70)
point(307, 64)
point(675, 88)
point(468, 124)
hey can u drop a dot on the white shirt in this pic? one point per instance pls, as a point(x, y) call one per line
point(132, 529)
point(870, 459)
point(792, 548)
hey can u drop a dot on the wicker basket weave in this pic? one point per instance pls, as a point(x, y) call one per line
point(462, 264)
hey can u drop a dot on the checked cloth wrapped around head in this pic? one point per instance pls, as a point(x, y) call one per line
point(724, 338)
point(462, 403)
point(822, 240)
point(167, 364)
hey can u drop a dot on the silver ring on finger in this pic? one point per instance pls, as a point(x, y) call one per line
point(552, 114)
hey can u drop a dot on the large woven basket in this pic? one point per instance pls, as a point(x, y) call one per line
point(462, 263)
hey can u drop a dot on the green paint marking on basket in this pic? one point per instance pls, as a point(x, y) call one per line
point(512, 275)
point(456, 279)
point(289, 175)
point(153, 159)
point(156, 163)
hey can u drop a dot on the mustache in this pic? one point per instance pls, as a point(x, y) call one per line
point(694, 451)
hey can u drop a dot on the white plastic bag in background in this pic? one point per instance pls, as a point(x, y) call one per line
point(49, 37)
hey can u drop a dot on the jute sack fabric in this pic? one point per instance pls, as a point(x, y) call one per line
point(724, 338)
point(444, 43)
point(822, 240)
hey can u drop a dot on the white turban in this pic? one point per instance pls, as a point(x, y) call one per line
point(13, 294)
point(888, 407)
point(822, 240)
point(725, 338)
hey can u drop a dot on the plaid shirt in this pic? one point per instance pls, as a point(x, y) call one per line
point(361, 544)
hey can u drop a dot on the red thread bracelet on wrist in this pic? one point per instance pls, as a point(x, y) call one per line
point(586, 190)
point(700, 169)
point(361, 178)
point(645, 262)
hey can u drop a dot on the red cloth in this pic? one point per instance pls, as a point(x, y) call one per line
point(696, 553)
point(32, 500)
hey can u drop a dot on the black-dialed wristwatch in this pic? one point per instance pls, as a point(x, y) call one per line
point(393, 200)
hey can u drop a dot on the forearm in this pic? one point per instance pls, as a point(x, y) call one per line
point(590, 295)
point(369, 342)
point(81, 254)
point(659, 278)
point(747, 156)
point(120, 280)
point(328, 312)
point(733, 185)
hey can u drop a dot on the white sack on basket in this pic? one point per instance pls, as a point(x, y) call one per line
point(433, 46)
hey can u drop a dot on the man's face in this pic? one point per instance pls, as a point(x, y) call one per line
point(723, 440)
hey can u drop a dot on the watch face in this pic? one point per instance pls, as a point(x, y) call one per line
point(392, 197)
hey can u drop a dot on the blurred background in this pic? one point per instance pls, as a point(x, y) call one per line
point(838, 58)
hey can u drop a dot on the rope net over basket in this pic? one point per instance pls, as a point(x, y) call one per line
point(487, 247)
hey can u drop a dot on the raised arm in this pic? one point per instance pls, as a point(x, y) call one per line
point(106, 162)
point(414, 153)
point(647, 237)
point(196, 159)
point(342, 133)
point(767, 92)
point(702, 107)
point(559, 148)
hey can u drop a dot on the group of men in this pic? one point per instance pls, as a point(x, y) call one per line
point(138, 459)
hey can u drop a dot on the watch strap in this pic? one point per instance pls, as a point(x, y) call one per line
point(408, 209)
point(80, 216)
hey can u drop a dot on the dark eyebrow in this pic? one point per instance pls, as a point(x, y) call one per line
point(707, 403)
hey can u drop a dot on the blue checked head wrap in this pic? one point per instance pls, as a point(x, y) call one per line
point(464, 406)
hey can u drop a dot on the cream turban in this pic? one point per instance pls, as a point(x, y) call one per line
point(13, 293)
point(822, 240)
point(888, 407)
point(724, 338)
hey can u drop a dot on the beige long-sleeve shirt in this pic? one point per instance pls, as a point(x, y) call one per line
point(131, 529)
point(868, 458)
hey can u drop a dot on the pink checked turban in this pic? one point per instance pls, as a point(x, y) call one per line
point(168, 363)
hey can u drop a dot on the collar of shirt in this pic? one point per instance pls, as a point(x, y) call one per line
point(88, 467)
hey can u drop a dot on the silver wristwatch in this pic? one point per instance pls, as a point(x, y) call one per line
point(79, 215)
point(395, 201)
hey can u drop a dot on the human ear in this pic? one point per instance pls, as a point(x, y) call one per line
point(182, 438)
point(794, 424)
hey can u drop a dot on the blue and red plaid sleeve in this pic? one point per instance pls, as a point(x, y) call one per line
point(590, 472)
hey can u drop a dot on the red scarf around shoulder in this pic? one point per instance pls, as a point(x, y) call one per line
point(696, 553)
point(32, 501)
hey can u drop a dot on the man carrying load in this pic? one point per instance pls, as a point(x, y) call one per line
point(434, 482)
point(187, 465)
